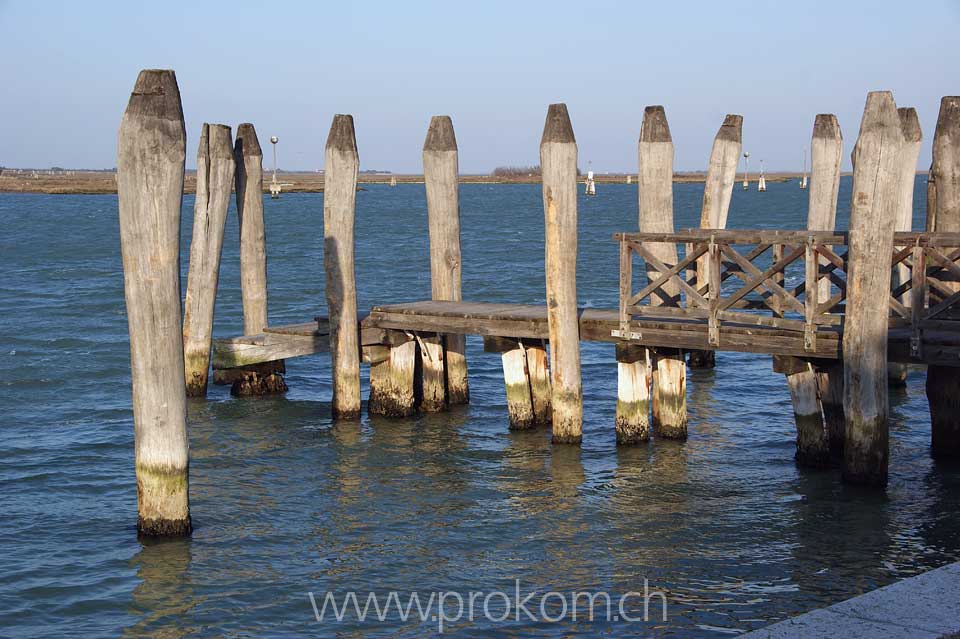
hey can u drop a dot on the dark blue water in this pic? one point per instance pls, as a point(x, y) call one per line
point(285, 502)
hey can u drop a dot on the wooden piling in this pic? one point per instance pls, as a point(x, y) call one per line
point(558, 162)
point(539, 374)
point(633, 394)
point(826, 154)
point(717, 191)
point(342, 163)
point(150, 163)
point(267, 377)
point(830, 385)
point(526, 379)
point(655, 186)
point(943, 382)
point(433, 381)
point(517, 383)
point(807, 385)
point(441, 178)
point(912, 135)
point(873, 214)
point(215, 170)
point(253, 243)
point(813, 443)
point(392, 379)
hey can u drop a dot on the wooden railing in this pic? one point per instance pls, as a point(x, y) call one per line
point(798, 277)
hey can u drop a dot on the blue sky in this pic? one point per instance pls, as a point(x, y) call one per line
point(493, 66)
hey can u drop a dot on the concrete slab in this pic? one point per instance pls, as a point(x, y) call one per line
point(925, 606)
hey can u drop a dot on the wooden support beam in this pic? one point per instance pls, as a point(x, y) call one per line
point(267, 377)
point(633, 394)
point(830, 385)
point(215, 170)
point(441, 179)
point(392, 382)
point(717, 191)
point(539, 373)
point(433, 379)
point(342, 163)
point(872, 219)
point(807, 384)
point(526, 379)
point(517, 382)
point(558, 161)
point(252, 350)
point(150, 165)
point(813, 443)
point(943, 382)
point(655, 184)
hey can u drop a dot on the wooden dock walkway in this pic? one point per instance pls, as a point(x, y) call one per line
point(525, 321)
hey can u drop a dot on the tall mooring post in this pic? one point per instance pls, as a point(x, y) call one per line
point(912, 137)
point(342, 163)
point(826, 155)
point(873, 214)
point(441, 176)
point(215, 171)
point(810, 391)
point(258, 379)
point(717, 191)
point(943, 382)
point(150, 163)
point(655, 186)
point(558, 162)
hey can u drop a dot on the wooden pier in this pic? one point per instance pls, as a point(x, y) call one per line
point(824, 304)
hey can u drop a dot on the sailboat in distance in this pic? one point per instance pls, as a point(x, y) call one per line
point(803, 180)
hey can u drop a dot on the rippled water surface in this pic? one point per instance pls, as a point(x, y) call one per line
point(285, 502)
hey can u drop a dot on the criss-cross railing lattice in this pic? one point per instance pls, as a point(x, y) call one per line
point(788, 280)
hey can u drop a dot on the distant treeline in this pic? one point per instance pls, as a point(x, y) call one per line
point(518, 171)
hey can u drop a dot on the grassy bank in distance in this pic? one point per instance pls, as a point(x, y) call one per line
point(93, 182)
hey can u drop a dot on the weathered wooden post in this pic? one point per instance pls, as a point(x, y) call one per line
point(441, 176)
point(526, 379)
point(943, 382)
point(150, 158)
point(215, 169)
point(539, 374)
point(809, 388)
point(912, 136)
point(633, 394)
point(717, 191)
point(558, 162)
point(826, 155)
point(342, 163)
point(655, 186)
point(253, 243)
point(263, 378)
point(392, 377)
point(873, 213)
point(516, 379)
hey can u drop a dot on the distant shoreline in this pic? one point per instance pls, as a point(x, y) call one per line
point(104, 182)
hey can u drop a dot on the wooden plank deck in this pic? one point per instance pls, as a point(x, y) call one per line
point(530, 321)
point(522, 320)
